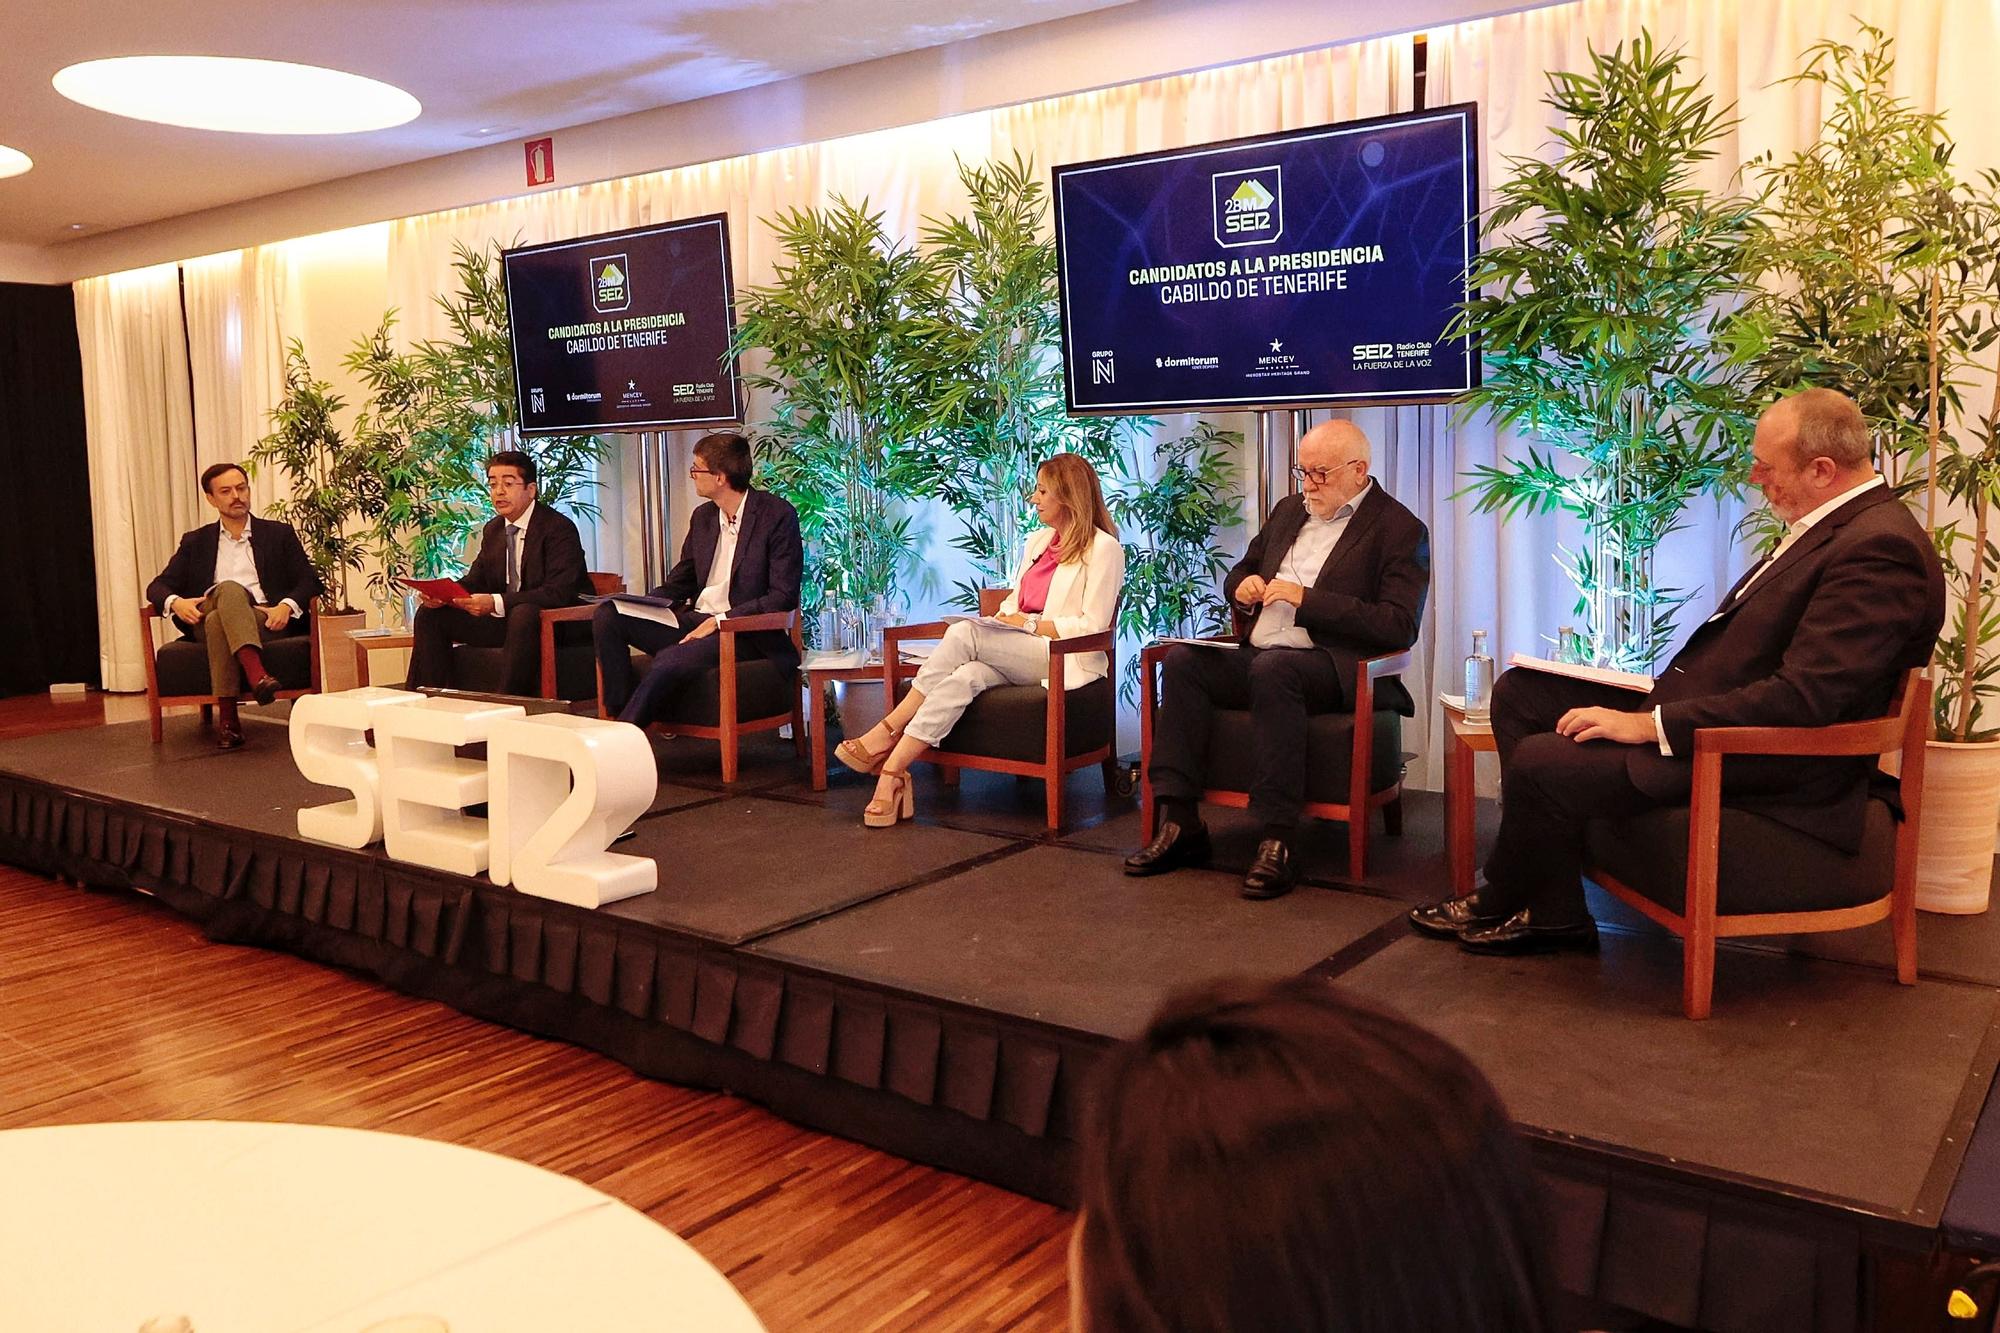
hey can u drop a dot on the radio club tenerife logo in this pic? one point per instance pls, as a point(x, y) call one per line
point(1249, 206)
point(610, 283)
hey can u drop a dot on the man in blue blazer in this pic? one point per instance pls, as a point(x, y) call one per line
point(742, 557)
point(234, 585)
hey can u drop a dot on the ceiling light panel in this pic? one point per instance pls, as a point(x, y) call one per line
point(236, 95)
point(13, 161)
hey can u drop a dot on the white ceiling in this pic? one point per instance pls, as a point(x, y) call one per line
point(516, 67)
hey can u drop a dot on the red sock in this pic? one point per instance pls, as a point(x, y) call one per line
point(225, 715)
point(251, 659)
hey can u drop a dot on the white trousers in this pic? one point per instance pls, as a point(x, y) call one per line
point(968, 661)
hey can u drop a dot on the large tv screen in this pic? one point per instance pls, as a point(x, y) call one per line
point(1303, 269)
point(628, 331)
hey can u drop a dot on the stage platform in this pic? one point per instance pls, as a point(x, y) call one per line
point(942, 989)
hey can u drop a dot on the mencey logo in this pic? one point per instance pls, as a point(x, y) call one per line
point(610, 286)
point(1249, 206)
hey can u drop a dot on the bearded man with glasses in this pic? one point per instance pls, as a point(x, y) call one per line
point(1338, 572)
point(530, 560)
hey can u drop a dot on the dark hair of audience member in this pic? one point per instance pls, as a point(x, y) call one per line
point(728, 454)
point(214, 470)
point(1276, 1156)
point(520, 460)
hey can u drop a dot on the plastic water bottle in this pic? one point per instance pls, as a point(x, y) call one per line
point(1568, 647)
point(1478, 680)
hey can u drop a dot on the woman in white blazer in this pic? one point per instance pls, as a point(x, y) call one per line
point(1067, 585)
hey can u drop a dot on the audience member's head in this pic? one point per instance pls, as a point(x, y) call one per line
point(1276, 1156)
point(726, 459)
point(510, 482)
point(227, 488)
point(1069, 500)
point(1808, 449)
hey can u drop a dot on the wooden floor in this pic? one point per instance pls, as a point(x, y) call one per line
point(114, 1008)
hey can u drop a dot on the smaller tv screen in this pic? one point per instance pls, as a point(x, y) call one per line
point(1310, 268)
point(628, 331)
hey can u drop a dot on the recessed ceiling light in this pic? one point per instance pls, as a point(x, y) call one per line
point(78, 226)
point(488, 131)
point(13, 161)
point(237, 95)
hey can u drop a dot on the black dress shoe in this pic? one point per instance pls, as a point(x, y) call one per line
point(228, 736)
point(1520, 933)
point(1174, 846)
point(1451, 918)
point(265, 690)
point(1270, 875)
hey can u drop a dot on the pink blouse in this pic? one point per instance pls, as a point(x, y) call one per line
point(1034, 590)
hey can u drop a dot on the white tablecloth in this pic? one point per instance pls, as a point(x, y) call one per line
point(245, 1227)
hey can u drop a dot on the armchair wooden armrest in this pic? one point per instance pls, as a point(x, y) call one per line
point(1100, 642)
point(769, 620)
point(894, 668)
point(552, 617)
point(1876, 736)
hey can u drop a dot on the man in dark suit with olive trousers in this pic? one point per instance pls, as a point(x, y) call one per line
point(530, 560)
point(743, 557)
point(1819, 632)
point(1337, 573)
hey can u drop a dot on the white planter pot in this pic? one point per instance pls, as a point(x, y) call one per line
point(1960, 812)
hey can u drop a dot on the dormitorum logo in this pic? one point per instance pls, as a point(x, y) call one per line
point(610, 283)
point(1249, 206)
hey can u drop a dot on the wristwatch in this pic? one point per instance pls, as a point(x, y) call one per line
point(1034, 625)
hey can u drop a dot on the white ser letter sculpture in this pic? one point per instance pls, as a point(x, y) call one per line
point(329, 735)
point(563, 787)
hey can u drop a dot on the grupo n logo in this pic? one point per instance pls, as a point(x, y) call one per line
point(610, 283)
point(1249, 206)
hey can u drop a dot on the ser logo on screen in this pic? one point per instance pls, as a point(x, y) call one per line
point(1249, 206)
point(610, 283)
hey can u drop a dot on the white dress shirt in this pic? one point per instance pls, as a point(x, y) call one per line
point(1278, 625)
point(235, 562)
point(714, 599)
point(519, 536)
point(1797, 530)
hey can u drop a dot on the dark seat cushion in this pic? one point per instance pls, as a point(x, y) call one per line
point(1012, 722)
point(762, 691)
point(1764, 866)
point(1232, 753)
point(485, 669)
point(183, 665)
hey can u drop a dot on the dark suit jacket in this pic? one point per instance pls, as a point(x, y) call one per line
point(282, 568)
point(552, 563)
point(764, 575)
point(1823, 636)
point(1369, 596)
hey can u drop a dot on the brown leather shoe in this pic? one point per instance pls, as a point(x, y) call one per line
point(1451, 918)
point(265, 690)
point(1171, 848)
point(228, 734)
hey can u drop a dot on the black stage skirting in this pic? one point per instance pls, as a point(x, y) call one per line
point(941, 991)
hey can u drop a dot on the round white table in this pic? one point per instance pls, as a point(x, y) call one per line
point(243, 1227)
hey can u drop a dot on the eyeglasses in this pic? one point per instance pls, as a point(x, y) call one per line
point(1320, 476)
point(703, 472)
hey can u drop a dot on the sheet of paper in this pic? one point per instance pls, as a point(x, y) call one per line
point(1624, 680)
point(1204, 643)
point(656, 609)
point(988, 621)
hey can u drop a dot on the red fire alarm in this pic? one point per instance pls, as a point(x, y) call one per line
point(541, 154)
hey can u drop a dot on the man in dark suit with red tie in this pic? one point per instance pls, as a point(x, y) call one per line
point(236, 584)
point(530, 560)
point(1337, 573)
point(742, 557)
point(1818, 632)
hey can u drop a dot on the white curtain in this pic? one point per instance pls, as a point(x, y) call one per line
point(1487, 574)
point(138, 424)
point(240, 312)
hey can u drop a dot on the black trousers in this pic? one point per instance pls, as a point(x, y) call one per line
point(1550, 787)
point(676, 665)
point(1281, 687)
point(518, 634)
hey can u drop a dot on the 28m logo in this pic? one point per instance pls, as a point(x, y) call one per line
point(1249, 206)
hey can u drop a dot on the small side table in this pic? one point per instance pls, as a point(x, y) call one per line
point(817, 678)
point(1463, 740)
point(367, 641)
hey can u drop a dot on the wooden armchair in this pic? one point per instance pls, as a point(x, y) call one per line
point(1351, 771)
point(1027, 730)
point(569, 669)
point(1768, 878)
point(742, 695)
point(177, 671)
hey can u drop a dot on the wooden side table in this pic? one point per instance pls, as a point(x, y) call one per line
point(367, 641)
point(1463, 740)
point(817, 678)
